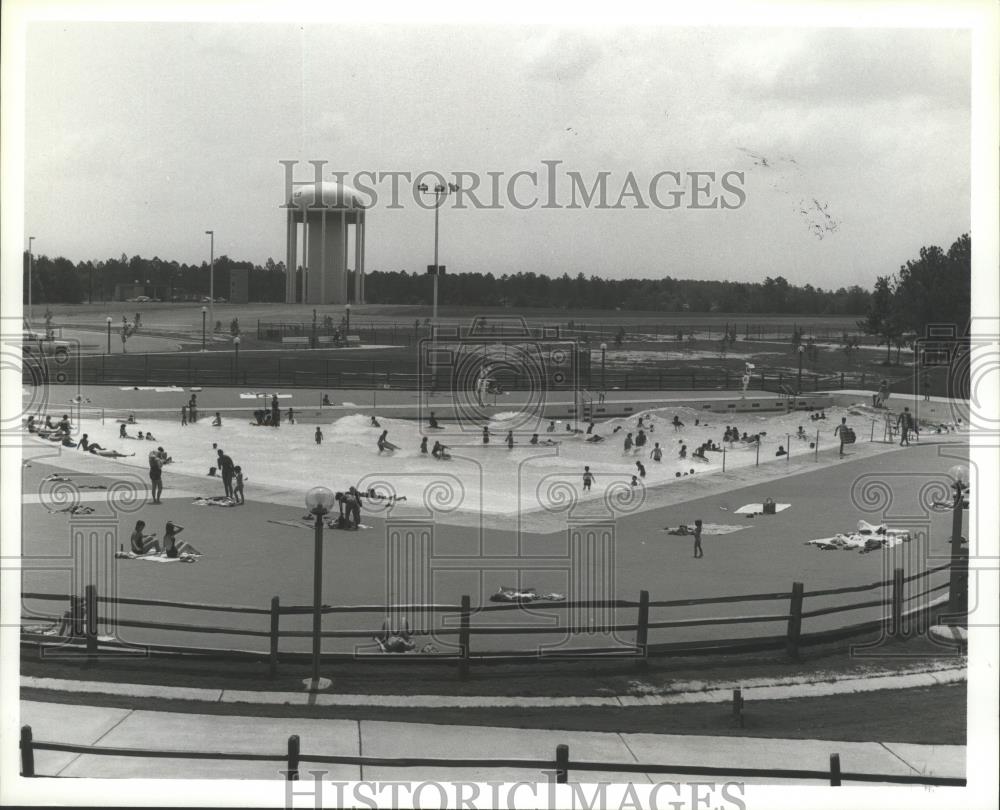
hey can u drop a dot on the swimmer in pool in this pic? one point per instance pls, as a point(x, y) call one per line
point(423, 446)
point(384, 443)
point(510, 440)
point(440, 452)
point(109, 453)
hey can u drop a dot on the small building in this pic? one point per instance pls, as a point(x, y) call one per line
point(239, 285)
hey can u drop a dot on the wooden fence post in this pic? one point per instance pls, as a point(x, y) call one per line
point(463, 639)
point(788, 448)
point(896, 626)
point(90, 616)
point(738, 707)
point(841, 380)
point(275, 619)
point(795, 620)
point(817, 444)
point(642, 629)
point(27, 752)
point(834, 770)
point(292, 774)
point(562, 763)
point(757, 460)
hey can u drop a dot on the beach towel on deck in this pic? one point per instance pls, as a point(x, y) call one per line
point(214, 500)
point(505, 594)
point(758, 508)
point(708, 528)
point(184, 557)
point(866, 538)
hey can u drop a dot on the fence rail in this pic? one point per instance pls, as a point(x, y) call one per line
point(309, 368)
point(412, 332)
point(81, 626)
point(560, 767)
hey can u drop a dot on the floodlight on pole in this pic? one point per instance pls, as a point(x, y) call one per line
point(31, 267)
point(440, 192)
point(108, 319)
point(211, 274)
point(204, 312)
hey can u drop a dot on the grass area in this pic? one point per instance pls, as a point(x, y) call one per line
point(932, 715)
point(552, 678)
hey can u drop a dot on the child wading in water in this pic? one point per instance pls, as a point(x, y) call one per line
point(588, 479)
point(319, 436)
point(697, 539)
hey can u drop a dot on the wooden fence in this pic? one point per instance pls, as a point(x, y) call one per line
point(898, 609)
point(560, 767)
point(315, 368)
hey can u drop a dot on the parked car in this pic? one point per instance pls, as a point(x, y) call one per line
point(220, 300)
point(142, 299)
point(206, 300)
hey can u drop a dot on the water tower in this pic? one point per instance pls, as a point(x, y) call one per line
point(330, 217)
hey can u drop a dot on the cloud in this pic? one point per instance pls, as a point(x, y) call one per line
point(562, 56)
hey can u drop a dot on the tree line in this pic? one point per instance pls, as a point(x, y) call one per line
point(934, 288)
point(58, 280)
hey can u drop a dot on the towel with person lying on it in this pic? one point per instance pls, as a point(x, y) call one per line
point(400, 641)
point(160, 557)
point(867, 537)
point(505, 594)
point(214, 500)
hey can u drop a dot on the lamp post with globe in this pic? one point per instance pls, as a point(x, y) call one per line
point(108, 320)
point(319, 501)
point(958, 585)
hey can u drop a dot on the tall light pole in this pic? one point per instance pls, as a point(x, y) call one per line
point(236, 345)
point(958, 602)
point(319, 501)
point(439, 192)
point(802, 350)
point(347, 314)
point(203, 314)
point(31, 267)
point(604, 353)
point(108, 319)
point(211, 274)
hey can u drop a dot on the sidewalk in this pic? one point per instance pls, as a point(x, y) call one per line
point(110, 727)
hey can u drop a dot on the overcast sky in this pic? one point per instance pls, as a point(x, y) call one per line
point(854, 143)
